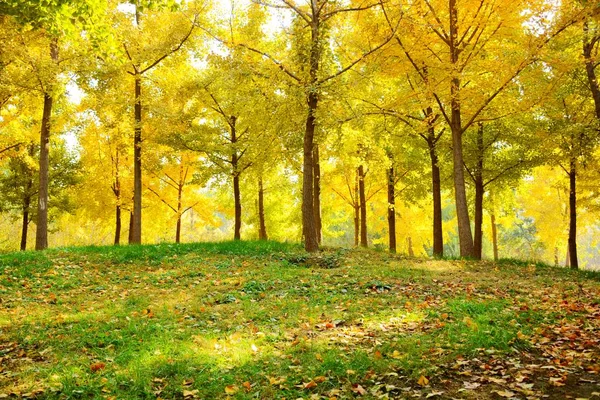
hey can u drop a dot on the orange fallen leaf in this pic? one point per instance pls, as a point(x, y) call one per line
point(247, 385)
point(95, 367)
point(320, 379)
point(377, 354)
point(423, 381)
point(310, 385)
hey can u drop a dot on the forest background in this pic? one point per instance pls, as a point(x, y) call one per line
point(441, 128)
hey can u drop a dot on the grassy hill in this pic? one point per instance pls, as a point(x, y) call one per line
point(265, 320)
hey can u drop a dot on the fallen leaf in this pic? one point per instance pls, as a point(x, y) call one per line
point(356, 388)
point(247, 385)
point(505, 393)
point(231, 389)
point(423, 381)
point(95, 367)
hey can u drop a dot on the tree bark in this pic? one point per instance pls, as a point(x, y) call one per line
point(262, 227)
point(25, 221)
point(411, 253)
point(179, 206)
point(574, 263)
point(436, 185)
point(590, 68)
point(460, 195)
point(317, 193)
point(136, 226)
point(494, 236)
point(391, 209)
point(41, 236)
point(309, 230)
point(479, 193)
point(236, 182)
point(117, 240)
point(129, 236)
point(356, 212)
point(363, 207)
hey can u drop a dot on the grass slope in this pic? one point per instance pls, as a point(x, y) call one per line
point(265, 320)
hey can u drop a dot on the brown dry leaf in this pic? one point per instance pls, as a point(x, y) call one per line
point(505, 393)
point(320, 379)
point(356, 388)
point(309, 385)
point(247, 385)
point(95, 367)
point(231, 389)
point(423, 381)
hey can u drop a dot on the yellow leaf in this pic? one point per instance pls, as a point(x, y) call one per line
point(231, 389)
point(423, 381)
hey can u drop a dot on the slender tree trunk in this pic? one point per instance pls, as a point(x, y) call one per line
point(317, 193)
point(573, 215)
point(309, 230)
point(568, 259)
point(479, 193)
point(363, 207)
point(494, 236)
point(238, 207)
point(262, 227)
point(460, 195)
point(25, 221)
point(129, 236)
point(391, 209)
point(438, 235)
point(356, 212)
point(41, 236)
point(590, 68)
point(136, 226)
point(236, 183)
point(179, 206)
point(117, 240)
point(411, 253)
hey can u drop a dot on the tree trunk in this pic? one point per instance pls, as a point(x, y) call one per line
point(494, 236)
point(129, 236)
point(25, 222)
point(479, 193)
point(411, 253)
point(438, 235)
point(262, 227)
point(179, 211)
point(460, 195)
point(317, 193)
point(238, 207)
point(309, 230)
point(41, 236)
point(117, 224)
point(590, 64)
point(391, 209)
point(363, 207)
point(356, 212)
point(573, 215)
point(136, 226)
point(236, 183)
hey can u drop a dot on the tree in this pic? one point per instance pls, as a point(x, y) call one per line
point(312, 72)
point(145, 50)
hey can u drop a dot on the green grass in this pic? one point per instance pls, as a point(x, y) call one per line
point(265, 319)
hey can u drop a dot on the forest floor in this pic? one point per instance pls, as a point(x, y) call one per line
point(264, 320)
